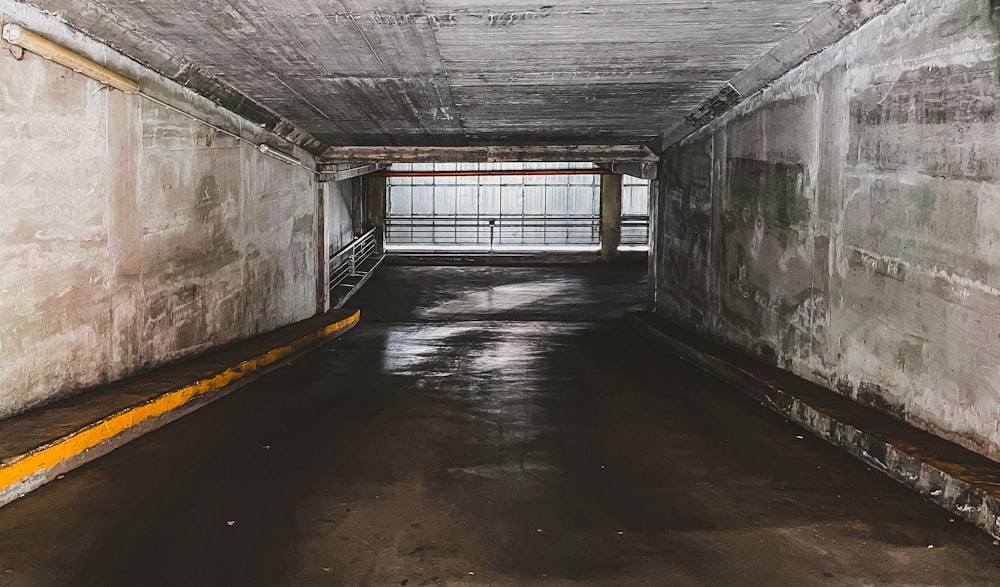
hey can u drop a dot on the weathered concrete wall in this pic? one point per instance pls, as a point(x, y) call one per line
point(131, 235)
point(340, 199)
point(845, 223)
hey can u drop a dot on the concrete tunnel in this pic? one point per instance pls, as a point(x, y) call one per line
point(657, 292)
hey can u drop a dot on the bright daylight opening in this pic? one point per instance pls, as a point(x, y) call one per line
point(469, 207)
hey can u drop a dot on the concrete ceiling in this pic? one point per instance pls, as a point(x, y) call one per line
point(448, 73)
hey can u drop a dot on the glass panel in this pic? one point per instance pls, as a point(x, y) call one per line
point(494, 212)
point(423, 201)
point(635, 213)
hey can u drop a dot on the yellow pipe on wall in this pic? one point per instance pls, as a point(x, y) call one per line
point(15, 34)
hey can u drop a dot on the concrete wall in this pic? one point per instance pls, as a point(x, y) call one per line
point(131, 235)
point(341, 198)
point(845, 222)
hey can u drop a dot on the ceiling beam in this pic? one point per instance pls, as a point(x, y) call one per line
point(597, 153)
point(342, 171)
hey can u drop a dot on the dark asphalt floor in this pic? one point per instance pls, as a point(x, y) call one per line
point(486, 426)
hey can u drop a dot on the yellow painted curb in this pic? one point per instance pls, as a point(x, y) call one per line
point(49, 455)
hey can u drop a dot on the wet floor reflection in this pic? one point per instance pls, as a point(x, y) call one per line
point(505, 298)
point(492, 374)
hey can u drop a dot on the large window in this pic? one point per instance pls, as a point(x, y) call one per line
point(635, 213)
point(440, 211)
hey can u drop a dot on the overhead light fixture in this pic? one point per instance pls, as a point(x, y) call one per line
point(271, 152)
point(16, 34)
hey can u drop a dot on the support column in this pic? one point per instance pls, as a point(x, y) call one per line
point(359, 206)
point(611, 215)
point(374, 188)
point(654, 241)
point(323, 251)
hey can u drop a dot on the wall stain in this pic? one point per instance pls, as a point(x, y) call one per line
point(774, 189)
point(884, 285)
point(925, 201)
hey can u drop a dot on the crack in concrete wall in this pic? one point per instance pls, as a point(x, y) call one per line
point(449, 18)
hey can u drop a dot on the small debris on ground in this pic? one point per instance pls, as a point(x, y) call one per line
point(404, 582)
point(800, 437)
point(61, 477)
point(231, 523)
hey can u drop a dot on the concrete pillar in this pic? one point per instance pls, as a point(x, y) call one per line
point(611, 215)
point(654, 240)
point(323, 251)
point(375, 207)
point(358, 206)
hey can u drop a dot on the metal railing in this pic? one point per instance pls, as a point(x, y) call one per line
point(635, 230)
point(496, 231)
point(351, 266)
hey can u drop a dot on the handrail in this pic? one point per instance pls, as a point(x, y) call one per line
point(540, 230)
point(501, 230)
point(354, 243)
point(635, 230)
point(354, 260)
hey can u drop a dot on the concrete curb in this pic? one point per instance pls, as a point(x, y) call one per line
point(26, 472)
point(970, 492)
